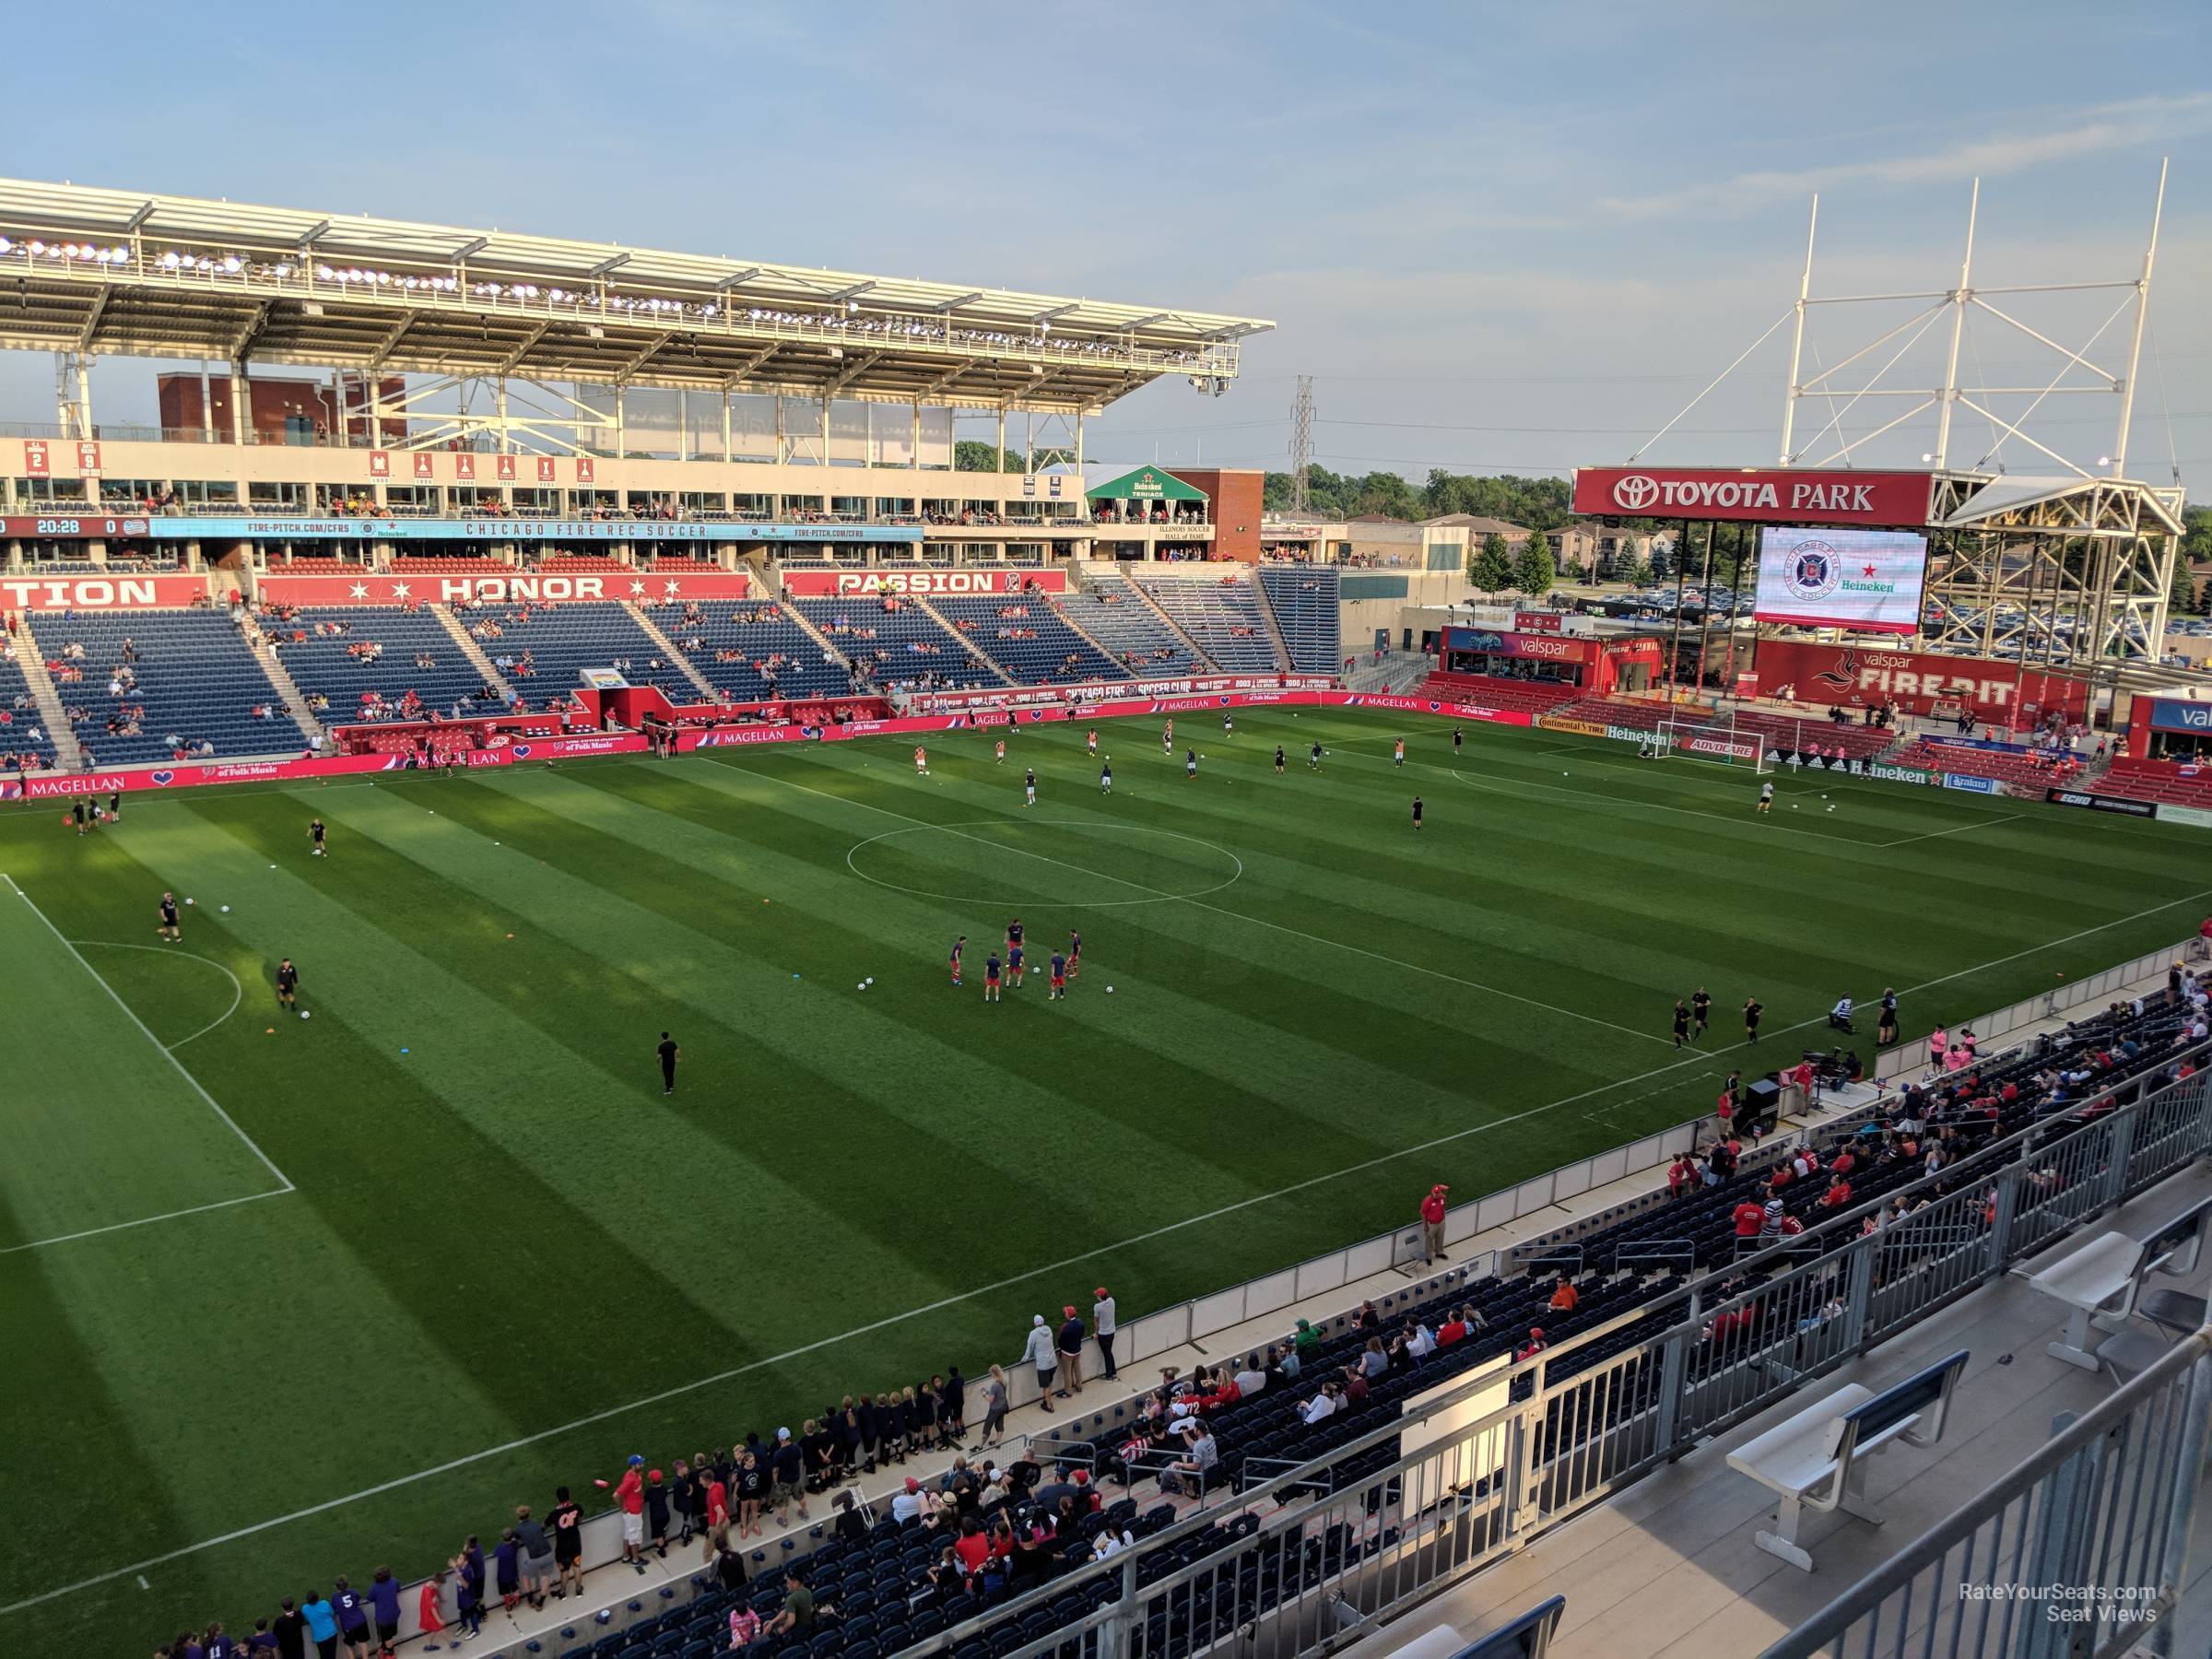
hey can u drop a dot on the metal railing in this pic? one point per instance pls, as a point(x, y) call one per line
point(1908, 1058)
point(1476, 1467)
point(2080, 1550)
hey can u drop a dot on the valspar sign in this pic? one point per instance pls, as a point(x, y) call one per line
point(1769, 495)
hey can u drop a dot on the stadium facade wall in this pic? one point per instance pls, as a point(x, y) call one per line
point(1860, 676)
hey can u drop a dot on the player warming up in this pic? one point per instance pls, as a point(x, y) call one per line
point(1029, 784)
point(168, 930)
point(288, 984)
point(1074, 954)
point(1229, 724)
point(1313, 759)
point(314, 834)
point(921, 761)
point(1091, 741)
point(1106, 776)
point(1190, 764)
point(1278, 759)
point(1001, 752)
point(1766, 795)
point(958, 945)
point(1398, 753)
point(1417, 812)
point(991, 981)
point(1059, 988)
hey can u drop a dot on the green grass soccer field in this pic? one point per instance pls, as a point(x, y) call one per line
point(285, 1298)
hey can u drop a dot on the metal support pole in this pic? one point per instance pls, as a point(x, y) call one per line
point(1958, 301)
point(237, 402)
point(1002, 438)
point(2135, 350)
point(1804, 288)
point(2181, 1504)
point(727, 446)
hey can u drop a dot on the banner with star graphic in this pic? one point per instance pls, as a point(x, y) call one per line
point(1865, 580)
point(509, 586)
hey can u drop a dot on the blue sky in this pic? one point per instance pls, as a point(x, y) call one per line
point(1500, 239)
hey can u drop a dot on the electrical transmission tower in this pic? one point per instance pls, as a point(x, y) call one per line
point(1301, 442)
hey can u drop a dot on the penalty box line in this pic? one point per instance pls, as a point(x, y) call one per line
point(284, 1183)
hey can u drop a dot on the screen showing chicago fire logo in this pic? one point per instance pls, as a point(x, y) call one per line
point(1865, 579)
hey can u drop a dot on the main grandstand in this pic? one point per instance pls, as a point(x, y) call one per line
point(359, 1285)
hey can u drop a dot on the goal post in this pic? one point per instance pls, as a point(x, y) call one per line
point(1722, 742)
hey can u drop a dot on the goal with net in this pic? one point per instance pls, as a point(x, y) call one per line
point(1722, 742)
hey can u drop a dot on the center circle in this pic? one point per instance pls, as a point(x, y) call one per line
point(1045, 872)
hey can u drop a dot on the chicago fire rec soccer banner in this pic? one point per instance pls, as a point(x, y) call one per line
point(1865, 579)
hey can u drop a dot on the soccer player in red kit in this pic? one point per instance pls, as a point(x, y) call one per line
point(959, 945)
point(920, 760)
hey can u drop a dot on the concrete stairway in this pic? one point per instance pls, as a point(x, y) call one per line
point(293, 700)
point(1274, 628)
point(68, 755)
point(669, 653)
point(472, 651)
point(974, 650)
point(1207, 663)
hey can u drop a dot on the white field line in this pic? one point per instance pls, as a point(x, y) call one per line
point(237, 992)
point(681, 1389)
point(93, 1232)
point(1195, 904)
point(283, 1180)
point(1955, 830)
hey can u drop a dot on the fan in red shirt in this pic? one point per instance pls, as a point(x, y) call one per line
point(1748, 1218)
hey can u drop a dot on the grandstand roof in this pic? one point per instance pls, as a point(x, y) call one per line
point(1145, 484)
point(124, 272)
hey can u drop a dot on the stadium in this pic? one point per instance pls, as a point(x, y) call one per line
point(892, 1059)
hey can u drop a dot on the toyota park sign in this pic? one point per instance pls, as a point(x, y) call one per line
point(1755, 495)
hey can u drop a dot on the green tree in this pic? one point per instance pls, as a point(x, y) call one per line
point(1641, 574)
point(1490, 565)
point(1533, 572)
point(2182, 596)
point(1661, 560)
point(972, 454)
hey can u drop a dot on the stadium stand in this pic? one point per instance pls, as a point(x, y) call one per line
point(423, 565)
point(1781, 732)
point(19, 751)
point(1110, 612)
point(1304, 599)
point(897, 644)
point(193, 685)
point(2035, 770)
point(1222, 615)
point(1025, 636)
point(2161, 780)
point(752, 651)
point(538, 649)
point(1997, 1096)
point(1497, 692)
point(367, 663)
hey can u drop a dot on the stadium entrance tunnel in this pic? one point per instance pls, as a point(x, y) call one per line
point(1080, 865)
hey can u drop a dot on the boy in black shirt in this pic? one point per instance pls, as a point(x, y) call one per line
point(667, 1051)
point(288, 984)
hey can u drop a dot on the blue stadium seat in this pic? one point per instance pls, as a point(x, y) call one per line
point(1221, 613)
point(1025, 636)
point(1304, 599)
point(197, 680)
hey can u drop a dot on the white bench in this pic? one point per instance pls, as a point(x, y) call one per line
point(2097, 1283)
point(1816, 1459)
point(2173, 1251)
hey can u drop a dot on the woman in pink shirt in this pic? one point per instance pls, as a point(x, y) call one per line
point(1938, 1043)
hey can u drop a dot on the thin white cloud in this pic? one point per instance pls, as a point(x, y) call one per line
point(2093, 131)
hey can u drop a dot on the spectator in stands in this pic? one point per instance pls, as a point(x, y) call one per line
point(1564, 1296)
point(1200, 1456)
point(1432, 1224)
point(1040, 1353)
point(1070, 1347)
point(994, 1408)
